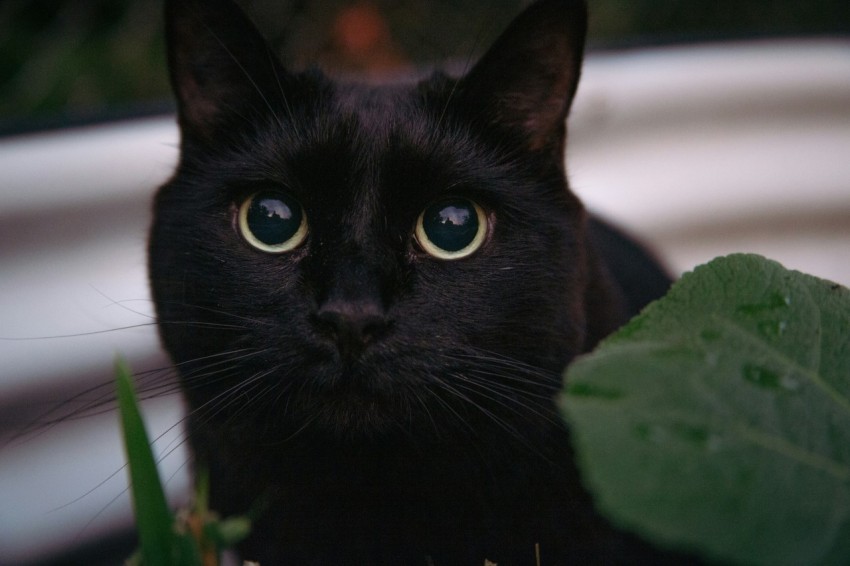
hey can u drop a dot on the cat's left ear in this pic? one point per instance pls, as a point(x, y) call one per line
point(527, 80)
point(223, 73)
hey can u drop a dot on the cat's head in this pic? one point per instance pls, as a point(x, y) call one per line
point(366, 260)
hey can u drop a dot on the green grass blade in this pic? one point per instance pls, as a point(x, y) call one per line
point(153, 519)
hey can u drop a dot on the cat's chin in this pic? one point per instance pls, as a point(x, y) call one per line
point(354, 421)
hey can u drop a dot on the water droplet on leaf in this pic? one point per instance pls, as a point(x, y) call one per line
point(769, 379)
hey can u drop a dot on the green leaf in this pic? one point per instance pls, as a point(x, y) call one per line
point(227, 533)
point(153, 519)
point(719, 419)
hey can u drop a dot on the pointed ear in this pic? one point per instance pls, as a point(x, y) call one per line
point(222, 71)
point(526, 81)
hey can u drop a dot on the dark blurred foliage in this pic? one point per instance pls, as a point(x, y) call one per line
point(83, 58)
point(62, 56)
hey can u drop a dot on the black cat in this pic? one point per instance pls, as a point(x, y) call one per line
point(370, 294)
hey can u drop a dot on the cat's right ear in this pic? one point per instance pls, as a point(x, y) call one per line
point(526, 81)
point(223, 73)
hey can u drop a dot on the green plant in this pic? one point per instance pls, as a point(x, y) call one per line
point(718, 420)
point(195, 537)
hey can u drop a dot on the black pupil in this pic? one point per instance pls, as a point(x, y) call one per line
point(274, 218)
point(451, 225)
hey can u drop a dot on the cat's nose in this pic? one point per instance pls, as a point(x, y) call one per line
point(353, 324)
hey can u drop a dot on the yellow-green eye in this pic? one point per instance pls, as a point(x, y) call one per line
point(451, 228)
point(273, 222)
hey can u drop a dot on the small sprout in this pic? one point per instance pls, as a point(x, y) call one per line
point(194, 537)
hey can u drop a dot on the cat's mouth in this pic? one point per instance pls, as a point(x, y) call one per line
point(356, 413)
point(348, 395)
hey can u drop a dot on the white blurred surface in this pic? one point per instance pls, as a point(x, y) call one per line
point(705, 151)
point(73, 295)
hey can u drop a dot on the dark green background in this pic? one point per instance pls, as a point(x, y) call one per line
point(64, 60)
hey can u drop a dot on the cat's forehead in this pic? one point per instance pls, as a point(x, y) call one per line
point(367, 131)
point(379, 110)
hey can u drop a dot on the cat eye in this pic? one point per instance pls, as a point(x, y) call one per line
point(451, 228)
point(273, 222)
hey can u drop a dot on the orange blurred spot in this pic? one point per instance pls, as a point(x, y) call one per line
point(363, 39)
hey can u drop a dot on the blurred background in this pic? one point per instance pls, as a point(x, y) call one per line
point(63, 59)
point(704, 128)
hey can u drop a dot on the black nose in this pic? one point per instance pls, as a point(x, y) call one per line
point(353, 324)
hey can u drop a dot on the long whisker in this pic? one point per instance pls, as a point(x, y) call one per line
point(447, 406)
point(493, 417)
point(525, 368)
point(273, 62)
point(211, 310)
point(75, 335)
point(247, 75)
point(466, 66)
point(513, 403)
point(100, 399)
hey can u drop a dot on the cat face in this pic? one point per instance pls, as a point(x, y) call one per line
point(359, 261)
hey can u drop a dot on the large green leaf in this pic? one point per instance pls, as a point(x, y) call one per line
point(719, 419)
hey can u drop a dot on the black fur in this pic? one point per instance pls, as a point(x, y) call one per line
point(382, 406)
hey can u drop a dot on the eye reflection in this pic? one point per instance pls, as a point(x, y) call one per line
point(273, 222)
point(451, 228)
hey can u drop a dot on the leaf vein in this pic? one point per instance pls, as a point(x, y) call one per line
point(792, 451)
point(809, 373)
